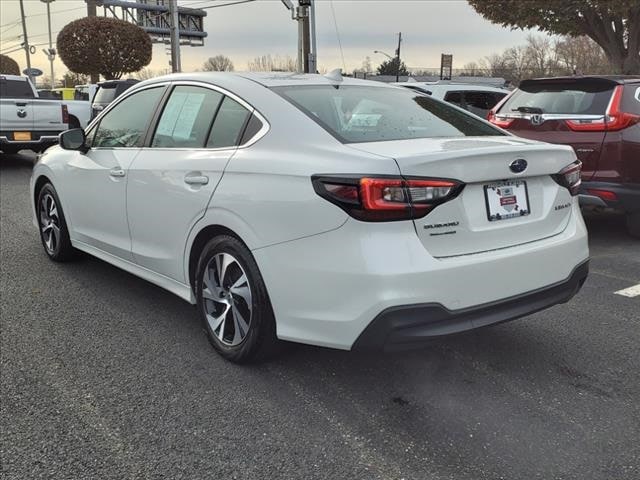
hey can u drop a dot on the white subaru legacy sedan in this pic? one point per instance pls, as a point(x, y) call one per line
point(316, 209)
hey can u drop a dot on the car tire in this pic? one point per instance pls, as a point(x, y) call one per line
point(633, 224)
point(54, 233)
point(9, 150)
point(233, 302)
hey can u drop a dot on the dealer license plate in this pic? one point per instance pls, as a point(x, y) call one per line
point(22, 136)
point(508, 199)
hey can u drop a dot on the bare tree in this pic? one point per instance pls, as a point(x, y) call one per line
point(581, 56)
point(267, 63)
point(145, 74)
point(219, 63)
point(541, 55)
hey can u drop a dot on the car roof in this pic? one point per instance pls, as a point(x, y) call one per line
point(452, 86)
point(13, 77)
point(266, 79)
point(620, 79)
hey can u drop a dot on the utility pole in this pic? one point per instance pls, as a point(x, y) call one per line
point(305, 15)
point(313, 55)
point(51, 52)
point(26, 39)
point(92, 12)
point(398, 57)
point(175, 36)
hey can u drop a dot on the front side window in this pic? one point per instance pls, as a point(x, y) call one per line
point(228, 125)
point(126, 123)
point(455, 98)
point(355, 114)
point(186, 119)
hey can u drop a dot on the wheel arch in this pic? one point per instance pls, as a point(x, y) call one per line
point(203, 236)
point(40, 182)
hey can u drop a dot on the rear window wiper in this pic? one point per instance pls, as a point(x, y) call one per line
point(527, 110)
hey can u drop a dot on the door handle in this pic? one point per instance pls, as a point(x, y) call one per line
point(117, 172)
point(196, 180)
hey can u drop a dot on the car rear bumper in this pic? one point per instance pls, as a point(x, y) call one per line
point(327, 289)
point(626, 195)
point(39, 140)
point(410, 326)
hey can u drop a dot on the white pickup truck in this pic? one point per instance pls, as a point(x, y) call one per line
point(28, 122)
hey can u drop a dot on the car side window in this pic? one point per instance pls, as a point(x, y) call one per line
point(126, 123)
point(254, 125)
point(479, 102)
point(186, 118)
point(454, 97)
point(228, 125)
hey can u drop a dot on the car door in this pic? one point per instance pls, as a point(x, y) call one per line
point(172, 181)
point(95, 182)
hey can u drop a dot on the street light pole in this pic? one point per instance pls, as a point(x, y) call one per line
point(50, 53)
point(385, 54)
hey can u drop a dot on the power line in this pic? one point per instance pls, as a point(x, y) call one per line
point(335, 23)
point(227, 4)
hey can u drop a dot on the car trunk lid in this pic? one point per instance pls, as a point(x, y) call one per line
point(464, 225)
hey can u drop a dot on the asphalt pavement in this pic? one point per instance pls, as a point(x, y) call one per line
point(105, 376)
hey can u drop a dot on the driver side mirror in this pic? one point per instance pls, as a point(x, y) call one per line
point(74, 139)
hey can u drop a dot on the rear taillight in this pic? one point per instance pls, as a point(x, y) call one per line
point(382, 199)
point(614, 119)
point(606, 195)
point(65, 114)
point(570, 177)
point(499, 122)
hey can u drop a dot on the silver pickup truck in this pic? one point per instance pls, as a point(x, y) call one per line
point(28, 122)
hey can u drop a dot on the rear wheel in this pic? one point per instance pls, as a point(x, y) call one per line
point(53, 227)
point(633, 224)
point(233, 302)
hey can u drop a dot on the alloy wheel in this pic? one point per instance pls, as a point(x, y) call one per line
point(49, 223)
point(227, 299)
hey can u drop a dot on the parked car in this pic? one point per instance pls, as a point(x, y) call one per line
point(107, 92)
point(258, 199)
point(28, 122)
point(599, 116)
point(478, 99)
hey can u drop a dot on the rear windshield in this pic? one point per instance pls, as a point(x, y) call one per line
point(587, 99)
point(105, 94)
point(356, 114)
point(15, 89)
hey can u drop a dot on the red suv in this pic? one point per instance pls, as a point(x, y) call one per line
point(600, 118)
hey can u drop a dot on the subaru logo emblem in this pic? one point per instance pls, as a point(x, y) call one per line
point(518, 166)
point(537, 119)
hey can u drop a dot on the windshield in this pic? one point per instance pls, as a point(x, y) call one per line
point(356, 114)
point(587, 99)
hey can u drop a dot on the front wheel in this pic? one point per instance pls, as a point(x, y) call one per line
point(53, 227)
point(233, 302)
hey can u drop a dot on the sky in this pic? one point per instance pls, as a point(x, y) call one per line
point(245, 31)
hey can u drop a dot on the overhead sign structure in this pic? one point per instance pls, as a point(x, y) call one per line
point(155, 18)
point(446, 66)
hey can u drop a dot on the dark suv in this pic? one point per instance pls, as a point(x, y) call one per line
point(107, 92)
point(600, 118)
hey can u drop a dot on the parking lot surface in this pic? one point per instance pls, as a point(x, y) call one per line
point(105, 376)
